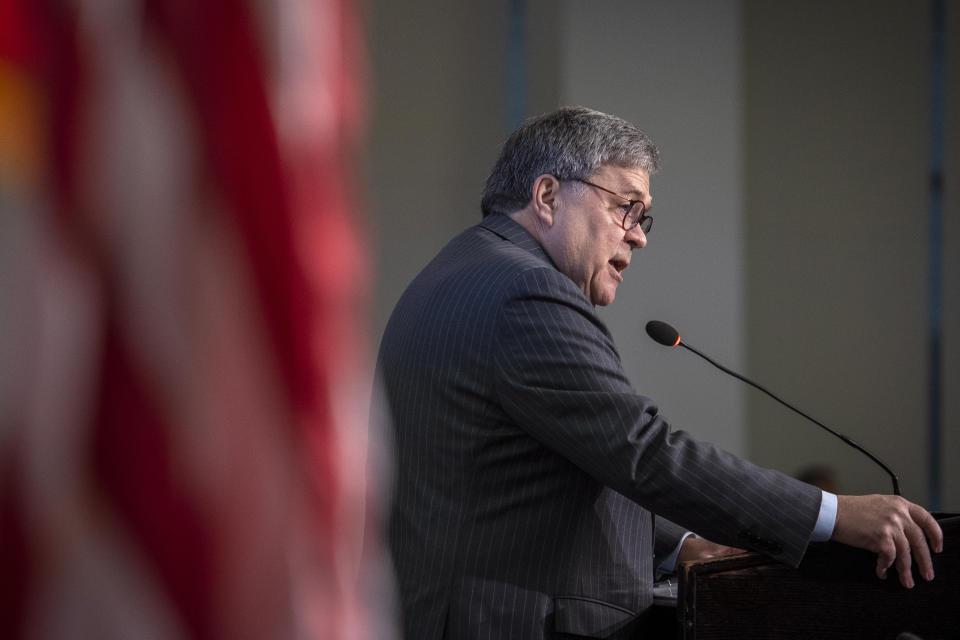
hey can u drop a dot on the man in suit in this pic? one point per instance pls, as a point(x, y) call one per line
point(528, 469)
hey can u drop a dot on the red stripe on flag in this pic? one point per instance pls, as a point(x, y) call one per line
point(217, 56)
point(137, 471)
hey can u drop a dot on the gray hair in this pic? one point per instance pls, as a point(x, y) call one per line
point(571, 143)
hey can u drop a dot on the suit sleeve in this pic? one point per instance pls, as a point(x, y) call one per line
point(667, 535)
point(558, 375)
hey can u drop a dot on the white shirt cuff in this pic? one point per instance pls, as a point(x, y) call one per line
point(827, 518)
point(669, 564)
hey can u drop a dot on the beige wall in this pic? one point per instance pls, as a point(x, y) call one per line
point(678, 77)
point(837, 184)
point(438, 117)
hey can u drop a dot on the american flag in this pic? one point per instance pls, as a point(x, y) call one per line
point(182, 290)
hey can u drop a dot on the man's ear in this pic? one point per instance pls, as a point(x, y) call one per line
point(546, 198)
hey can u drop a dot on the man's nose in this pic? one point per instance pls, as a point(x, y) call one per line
point(636, 238)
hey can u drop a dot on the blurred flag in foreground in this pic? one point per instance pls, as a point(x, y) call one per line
point(181, 302)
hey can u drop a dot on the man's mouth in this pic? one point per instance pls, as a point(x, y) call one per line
point(618, 267)
point(619, 264)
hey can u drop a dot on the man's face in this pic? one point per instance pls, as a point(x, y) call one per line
point(587, 240)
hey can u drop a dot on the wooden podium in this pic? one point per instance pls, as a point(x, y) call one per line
point(833, 594)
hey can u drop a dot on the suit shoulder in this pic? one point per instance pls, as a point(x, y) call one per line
point(479, 260)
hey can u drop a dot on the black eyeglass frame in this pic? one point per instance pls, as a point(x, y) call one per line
point(643, 220)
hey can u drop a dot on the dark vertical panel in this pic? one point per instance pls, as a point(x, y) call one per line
point(517, 64)
point(935, 232)
point(950, 346)
point(546, 46)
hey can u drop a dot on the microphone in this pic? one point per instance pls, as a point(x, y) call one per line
point(670, 337)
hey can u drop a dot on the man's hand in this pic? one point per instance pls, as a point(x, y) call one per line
point(695, 548)
point(893, 528)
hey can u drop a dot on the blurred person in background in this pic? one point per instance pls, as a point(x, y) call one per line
point(820, 476)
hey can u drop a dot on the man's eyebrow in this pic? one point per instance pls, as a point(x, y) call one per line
point(641, 195)
point(636, 192)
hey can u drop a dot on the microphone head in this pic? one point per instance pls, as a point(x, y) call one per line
point(663, 333)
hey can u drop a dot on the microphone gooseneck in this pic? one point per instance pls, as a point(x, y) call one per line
point(666, 335)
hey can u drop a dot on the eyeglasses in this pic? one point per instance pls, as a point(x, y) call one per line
point(633, 211)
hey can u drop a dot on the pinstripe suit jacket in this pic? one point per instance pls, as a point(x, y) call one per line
point(528, 468)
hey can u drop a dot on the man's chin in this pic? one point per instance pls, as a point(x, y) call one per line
point(603, 298)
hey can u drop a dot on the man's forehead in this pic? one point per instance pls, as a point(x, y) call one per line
point(635, 180)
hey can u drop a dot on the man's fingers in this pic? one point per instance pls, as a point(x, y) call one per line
point(881, 568)
point(897, 530)
point(918, 538)
point(921, 554)
point(931, 528)
point(910, 543)
point(885, 557)
point(903, 559)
